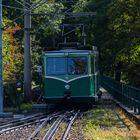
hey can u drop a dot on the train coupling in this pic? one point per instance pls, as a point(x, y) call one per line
point(67, 94)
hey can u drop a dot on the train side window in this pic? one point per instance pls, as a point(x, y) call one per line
point(77, 65)
point(56, 66)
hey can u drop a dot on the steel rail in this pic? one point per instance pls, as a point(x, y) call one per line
point(31, 122)
point(115, 112)
point(20, 126)
point(21, 121)
point(65, 135)
point(53, 128)
point(38, 129)
point(56, 124)
point(49, 118)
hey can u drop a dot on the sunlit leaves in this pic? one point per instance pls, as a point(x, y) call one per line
point(124, 16)
point(50, 7)
point(80, 5)
point(12, 58)
point(54, 19)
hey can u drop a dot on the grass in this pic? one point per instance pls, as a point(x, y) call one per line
point(26, 106)
point(23, 107)
point(108, 123)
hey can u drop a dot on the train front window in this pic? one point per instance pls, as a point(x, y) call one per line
point(77, 65)
point(56, 66)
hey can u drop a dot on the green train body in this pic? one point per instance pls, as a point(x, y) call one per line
point(70, 74)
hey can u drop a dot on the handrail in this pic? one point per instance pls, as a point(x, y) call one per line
point(128, 95)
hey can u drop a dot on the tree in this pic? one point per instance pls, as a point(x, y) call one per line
point(12, 56)
point(44, 30)
point(125, 25)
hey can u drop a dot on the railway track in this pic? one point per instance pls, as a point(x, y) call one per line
point(106, 118)
point(67, 117)
point(16, 122)
point(22, 128)
point(29, 127)
point(72, 119)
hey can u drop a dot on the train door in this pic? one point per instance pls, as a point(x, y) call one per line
point(96, 72)
point(92, 75)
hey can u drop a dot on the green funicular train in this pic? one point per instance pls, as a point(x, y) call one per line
point(70, 74)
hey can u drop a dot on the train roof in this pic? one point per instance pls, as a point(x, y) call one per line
point(71, 48)
point(67, 50)
point(71, 51)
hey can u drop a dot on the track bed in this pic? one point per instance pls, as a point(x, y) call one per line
point(100, 122)
point(104, 122)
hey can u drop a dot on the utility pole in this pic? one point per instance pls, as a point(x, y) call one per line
point(1, 67)
point(2, 114)
point(27, 50)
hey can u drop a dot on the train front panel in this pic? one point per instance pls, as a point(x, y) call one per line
point(68, 76)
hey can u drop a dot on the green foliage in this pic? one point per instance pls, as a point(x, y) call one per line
point(10, 94)
point(53, 21)
point(125, 25)
point(45, 29)
point(115, 30)
point(23, 107)
point(12, 57)
point(27, 106)
point(131, 64)
point(80, 5)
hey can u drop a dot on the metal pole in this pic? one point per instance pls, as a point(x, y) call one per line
point(27, 51)
point(1, 68)
point(2, 114)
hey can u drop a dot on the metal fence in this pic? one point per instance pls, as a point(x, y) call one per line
point(129, 96)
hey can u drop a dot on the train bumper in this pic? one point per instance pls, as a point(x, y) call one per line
point(71, 99)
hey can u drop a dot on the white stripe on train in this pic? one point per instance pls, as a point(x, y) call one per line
point(67, 81)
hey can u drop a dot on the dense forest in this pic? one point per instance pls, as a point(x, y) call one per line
point(115, 30)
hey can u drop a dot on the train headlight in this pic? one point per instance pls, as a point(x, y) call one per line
point(66, 54)
point(67, 87)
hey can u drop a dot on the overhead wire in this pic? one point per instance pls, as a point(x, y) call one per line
point(41, 2)
point(32, 7)
point(22, 9)
point(35, 4)
point(21, 4)
point(42, 26)
point(6, 26)
point(25, 2)
point(68, 10)
point(13, 7)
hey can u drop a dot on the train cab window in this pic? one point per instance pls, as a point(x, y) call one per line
point(56, 66)
point(77, 65)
